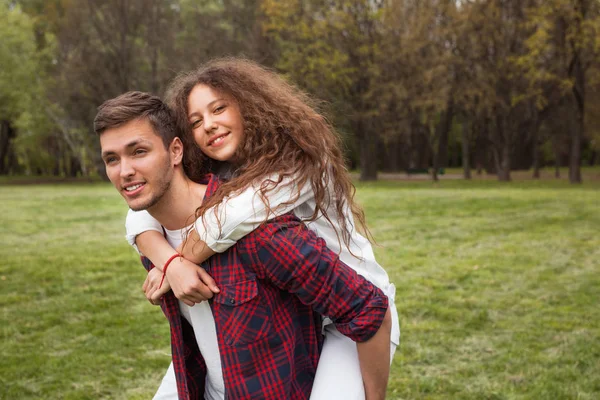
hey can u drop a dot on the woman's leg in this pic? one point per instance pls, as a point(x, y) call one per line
point(168, 387)
point(338, 373)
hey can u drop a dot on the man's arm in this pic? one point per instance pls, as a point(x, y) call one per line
point(374, 358)
point(296, 260)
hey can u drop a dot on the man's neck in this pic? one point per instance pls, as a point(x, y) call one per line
point(176, 209)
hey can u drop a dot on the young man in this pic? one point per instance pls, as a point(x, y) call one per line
point(259, 336)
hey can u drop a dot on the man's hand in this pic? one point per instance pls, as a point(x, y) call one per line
point(151, 286)
point(189, 282)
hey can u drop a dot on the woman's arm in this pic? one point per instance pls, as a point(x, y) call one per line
point(189, 283)
point(236, 216)
point(240, 214)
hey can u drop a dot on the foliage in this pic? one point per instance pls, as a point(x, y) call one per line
point(22, 79)
point(329, 48)
point(562, 48)
point(396, 75)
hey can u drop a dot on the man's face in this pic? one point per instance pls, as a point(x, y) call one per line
point(137, 163)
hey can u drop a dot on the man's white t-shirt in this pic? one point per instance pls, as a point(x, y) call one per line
point(202, 320)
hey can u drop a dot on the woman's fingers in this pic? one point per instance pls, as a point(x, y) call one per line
point(208, 281)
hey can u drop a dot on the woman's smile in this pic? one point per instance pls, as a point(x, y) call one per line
point(218, 139)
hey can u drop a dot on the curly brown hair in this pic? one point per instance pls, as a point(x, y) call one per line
point(284, 134)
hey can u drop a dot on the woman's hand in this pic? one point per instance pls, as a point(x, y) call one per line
point(189, 282)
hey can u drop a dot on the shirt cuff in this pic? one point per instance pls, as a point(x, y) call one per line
point(138, 222)
point(368, 323)
point(212, 237)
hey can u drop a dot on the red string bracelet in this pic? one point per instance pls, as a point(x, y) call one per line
point(174, 256)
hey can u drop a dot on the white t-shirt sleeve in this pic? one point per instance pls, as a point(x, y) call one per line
point(138, 222)
point(240, 214)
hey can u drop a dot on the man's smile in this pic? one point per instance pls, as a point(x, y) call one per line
point(133, 189)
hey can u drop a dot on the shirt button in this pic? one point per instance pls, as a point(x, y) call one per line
point(232, 301)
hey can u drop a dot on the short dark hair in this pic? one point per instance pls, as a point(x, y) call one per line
point(134, 105)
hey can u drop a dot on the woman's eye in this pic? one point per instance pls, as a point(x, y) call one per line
point(196, 123)
point(219, 109)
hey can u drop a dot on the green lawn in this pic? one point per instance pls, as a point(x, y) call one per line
point(498, 291)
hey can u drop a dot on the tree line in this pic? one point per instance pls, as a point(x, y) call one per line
point(412, 85)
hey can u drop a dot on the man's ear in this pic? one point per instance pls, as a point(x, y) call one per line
point(176, 151)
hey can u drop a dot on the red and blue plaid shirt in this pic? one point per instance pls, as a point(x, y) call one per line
point(276, 285)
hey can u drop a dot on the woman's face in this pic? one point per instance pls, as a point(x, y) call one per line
point(216, 122)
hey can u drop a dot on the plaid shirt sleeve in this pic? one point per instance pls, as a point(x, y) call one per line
point(293, 258)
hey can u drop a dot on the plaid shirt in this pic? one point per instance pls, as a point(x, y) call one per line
point(276, 284)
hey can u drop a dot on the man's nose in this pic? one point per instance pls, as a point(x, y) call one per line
point(127, 169)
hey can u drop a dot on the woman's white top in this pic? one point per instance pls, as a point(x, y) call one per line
point(240, 214)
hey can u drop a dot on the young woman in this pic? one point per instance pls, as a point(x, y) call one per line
point(277, 154)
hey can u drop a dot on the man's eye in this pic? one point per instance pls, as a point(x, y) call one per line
point(139, 152)
point(110, 160)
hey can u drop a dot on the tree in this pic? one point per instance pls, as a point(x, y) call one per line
point(23, 86)
point(329, 48)
point(563, 47)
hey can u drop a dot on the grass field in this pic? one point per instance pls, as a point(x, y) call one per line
point(498, 291)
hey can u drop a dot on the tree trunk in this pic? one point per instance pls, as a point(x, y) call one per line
point(479, 130)
point(56, 170)
point(393, 155)
point(501, 146)
point(465, 150)
point(97, 162)
point(536, 159)
point(536, 150)
point(575, 156)
point(435, 154)
point(155, 33)
point(440, 158)
point(504, 172)
point(593, 157)
point(12, 165)
point(6, 135)
point(368, 152)
point(577, 129)
point(434, 170)
point(75, 167)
